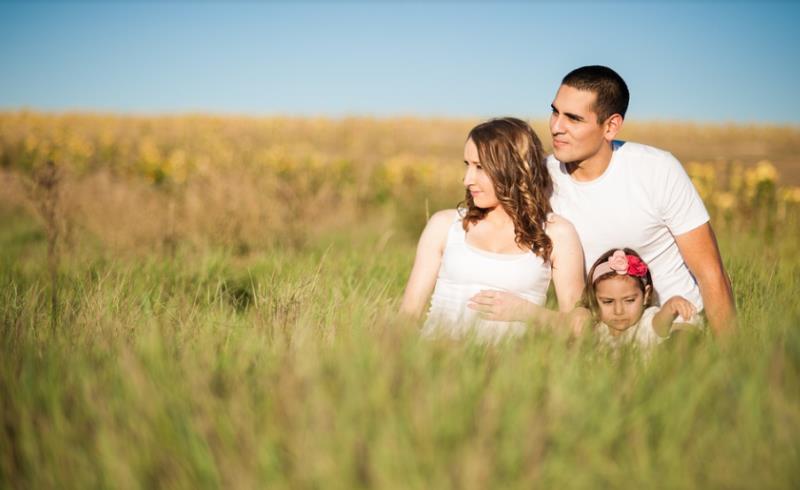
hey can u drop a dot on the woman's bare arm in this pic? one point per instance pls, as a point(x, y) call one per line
point(567, 260)
point(426, 263)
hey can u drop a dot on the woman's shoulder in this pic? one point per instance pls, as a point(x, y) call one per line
point(567, 247)
point(434, 236)
point(445, 214)
point(558, 226)
point(440, 222)
point(443, 218)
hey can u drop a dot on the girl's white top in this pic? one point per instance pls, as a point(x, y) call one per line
point(641, 334)
point(465, 271)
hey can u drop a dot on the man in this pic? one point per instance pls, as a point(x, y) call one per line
point(621, 194)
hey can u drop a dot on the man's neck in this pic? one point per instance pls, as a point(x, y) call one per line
point(593, 167)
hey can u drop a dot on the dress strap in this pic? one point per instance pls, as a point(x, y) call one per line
point(456, 233)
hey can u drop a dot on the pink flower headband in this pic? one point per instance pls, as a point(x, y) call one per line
point(621, 264)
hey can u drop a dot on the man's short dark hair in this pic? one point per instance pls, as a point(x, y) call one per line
point(612, 92)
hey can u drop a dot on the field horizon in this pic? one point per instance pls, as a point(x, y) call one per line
point(749, 142)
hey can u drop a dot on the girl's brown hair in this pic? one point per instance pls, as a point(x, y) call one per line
point(589, 298)
point(512, 155)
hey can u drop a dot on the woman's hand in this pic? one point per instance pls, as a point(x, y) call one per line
point(501, 305)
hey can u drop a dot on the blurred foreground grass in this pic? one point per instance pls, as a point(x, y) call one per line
point(201, 342)
point(289, 369)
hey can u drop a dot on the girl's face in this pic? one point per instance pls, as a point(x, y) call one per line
point(476, 180)
point(621, 301)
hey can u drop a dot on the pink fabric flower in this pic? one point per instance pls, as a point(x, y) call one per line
point(621, 264)
point(618, 262)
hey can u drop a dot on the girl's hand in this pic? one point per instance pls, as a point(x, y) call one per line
point(678, 306)
point(500, 305)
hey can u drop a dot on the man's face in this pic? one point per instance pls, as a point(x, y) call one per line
point(577, 134)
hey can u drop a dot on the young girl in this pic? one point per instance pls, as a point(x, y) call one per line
point(488, 264)
point(619, 293)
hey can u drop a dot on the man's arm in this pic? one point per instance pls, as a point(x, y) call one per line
point(701, 253)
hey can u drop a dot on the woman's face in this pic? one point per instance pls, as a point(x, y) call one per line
point(621, 301)
point(476, 180)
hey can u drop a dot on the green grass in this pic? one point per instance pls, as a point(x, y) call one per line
point(291, 369)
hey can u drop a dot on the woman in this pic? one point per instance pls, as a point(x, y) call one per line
point(489, 263)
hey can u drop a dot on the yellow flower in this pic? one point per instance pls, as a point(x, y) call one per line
point(31, 143)
point(737, 179)
point(702, 171)
point(763, 171)
point(766, 171)
point(177, 166)
point(791, 195)
point(704, 177)
point(724, 200)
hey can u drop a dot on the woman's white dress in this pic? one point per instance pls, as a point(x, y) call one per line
point(466, 270)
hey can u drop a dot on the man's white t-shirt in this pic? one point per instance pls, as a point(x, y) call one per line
point(642, 201)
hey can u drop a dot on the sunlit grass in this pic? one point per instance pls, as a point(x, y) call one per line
point(290, 369)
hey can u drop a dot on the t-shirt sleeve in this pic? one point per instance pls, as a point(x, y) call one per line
point(681, 207)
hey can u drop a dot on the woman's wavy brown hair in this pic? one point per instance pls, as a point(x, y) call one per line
point(512, 155)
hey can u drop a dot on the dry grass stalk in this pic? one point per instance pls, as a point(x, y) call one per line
point(46, 195)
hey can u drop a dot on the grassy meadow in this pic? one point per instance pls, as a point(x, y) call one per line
point(205, 302)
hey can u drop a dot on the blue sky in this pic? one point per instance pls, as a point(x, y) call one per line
point(700, 61)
